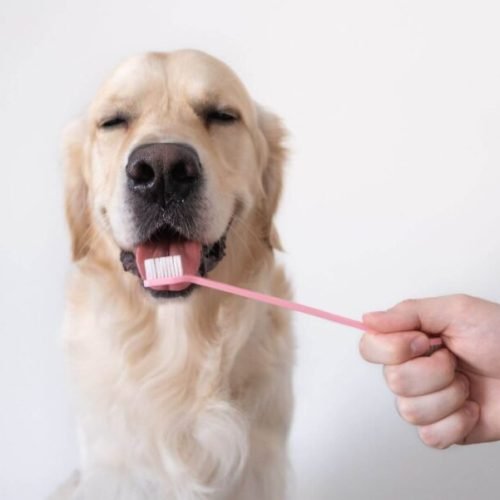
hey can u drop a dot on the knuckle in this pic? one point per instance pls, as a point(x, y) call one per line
point(462, 302)
point(430, 438)
point(395, 379)
point(406, 304)
point(366, 348)
point(408, 411)
point(392, 353)
point(363, 350)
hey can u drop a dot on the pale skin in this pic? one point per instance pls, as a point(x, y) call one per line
point(452, 396)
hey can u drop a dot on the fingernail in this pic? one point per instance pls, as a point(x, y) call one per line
point(419, 345)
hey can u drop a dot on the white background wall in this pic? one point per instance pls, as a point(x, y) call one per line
point(393, 192)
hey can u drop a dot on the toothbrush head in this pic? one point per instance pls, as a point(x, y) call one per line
point(163, 271)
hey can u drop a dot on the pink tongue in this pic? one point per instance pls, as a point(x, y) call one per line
point(190, 252)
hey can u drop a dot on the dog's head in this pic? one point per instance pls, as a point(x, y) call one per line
point(173, 157)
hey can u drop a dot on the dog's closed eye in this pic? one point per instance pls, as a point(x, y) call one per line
point(115, 121)
point(220, 116)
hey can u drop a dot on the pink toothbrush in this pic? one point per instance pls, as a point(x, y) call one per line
point(168, 271)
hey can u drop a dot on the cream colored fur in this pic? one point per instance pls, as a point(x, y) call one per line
point(184, 398)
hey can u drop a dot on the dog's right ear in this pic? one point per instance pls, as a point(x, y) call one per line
point(76, 189)
point(272, 178)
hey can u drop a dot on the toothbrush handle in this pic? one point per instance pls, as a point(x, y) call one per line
point(435, 343)
point(275, 301)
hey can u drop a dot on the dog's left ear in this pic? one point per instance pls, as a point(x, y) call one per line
point(76, 190)
point(272, 176)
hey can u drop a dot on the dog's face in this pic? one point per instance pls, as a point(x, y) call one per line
point(172, 154)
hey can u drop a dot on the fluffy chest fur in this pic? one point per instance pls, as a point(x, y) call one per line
point(181, 401)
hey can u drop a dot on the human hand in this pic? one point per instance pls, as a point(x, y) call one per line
point(453, 396)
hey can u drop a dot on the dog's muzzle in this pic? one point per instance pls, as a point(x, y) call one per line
point(164, 184)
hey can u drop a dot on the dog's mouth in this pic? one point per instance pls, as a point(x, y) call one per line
point(197, 258)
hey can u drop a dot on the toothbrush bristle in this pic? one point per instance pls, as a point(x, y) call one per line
point(163, 267)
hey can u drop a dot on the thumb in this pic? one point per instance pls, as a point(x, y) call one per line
point(431, 315)
point(390, 321)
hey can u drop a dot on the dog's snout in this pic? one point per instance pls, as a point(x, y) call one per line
point(163, 171)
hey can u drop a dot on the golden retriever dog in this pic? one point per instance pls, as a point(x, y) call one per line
point(181, 392)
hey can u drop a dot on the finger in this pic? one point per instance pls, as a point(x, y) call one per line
point(392, 320)
point(432, 315)
point(430, 408)
point(452, 429)
point(423, 375)
point(393, 348)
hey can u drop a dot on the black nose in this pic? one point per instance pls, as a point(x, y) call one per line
point(164, 171)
